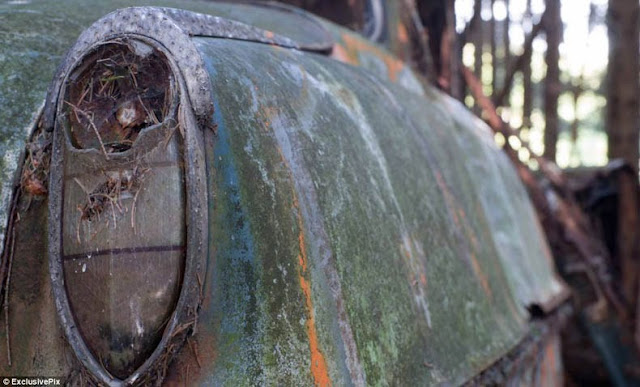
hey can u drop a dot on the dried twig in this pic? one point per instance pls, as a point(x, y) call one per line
point(133, 211)
point(93, 126)
point(200, 285)
point(6, 295)
point(194, 349)
point(170, 135)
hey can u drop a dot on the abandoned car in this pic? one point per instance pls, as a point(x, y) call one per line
point(201, 193)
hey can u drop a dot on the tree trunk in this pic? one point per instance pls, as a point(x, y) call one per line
point(439, 18)
point(506, 43)
point(623, 123)
point(477, 33)
point(432, 17)
point(493, 41)
point(421, 56)
point(576, 91)
point(552, 86)
point(517, 63)
point(450, 79)
point(527, 104)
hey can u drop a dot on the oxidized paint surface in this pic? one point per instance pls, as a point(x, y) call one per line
point(360, 231)
point(34, 36)
point(403, 266)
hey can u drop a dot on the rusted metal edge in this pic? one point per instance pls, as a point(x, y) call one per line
point(551, 304)
point(540, 331)
point(197, 24)
point(324, 42)
point(154, 28)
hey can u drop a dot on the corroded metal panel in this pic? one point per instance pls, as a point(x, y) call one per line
point(382, 228)
point(361, 228)
point(35, 35)
point(512, 220)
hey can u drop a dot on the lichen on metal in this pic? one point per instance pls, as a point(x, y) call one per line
point(337, 223)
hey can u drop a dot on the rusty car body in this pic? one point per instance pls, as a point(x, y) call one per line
point(246, 194)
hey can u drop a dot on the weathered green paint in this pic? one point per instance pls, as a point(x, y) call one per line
point(367, 187)
point(35, 34)
point(369, 224)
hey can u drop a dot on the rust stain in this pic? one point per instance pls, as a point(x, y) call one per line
point(548, 365)
point(268, 34)
point(302, 263)
point(496, 267)
point(318, 363)
point(349, 53)
point(394, 66)
point(319, 369)
point(457, 215)
point(462, 214)
point(543, 367)
point(474, 259)
point(405, 251)
point(342, 54)
point(267, 113)
point(484, 282)
point(416, 275)
point(403, 37)
point(187, 368)
point(448, 197)
point(303, 256)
